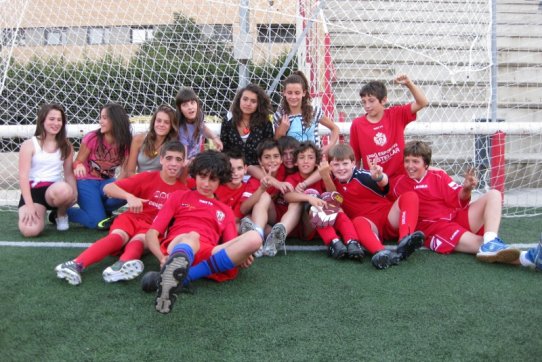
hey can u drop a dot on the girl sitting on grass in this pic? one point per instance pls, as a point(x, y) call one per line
point(42, 161)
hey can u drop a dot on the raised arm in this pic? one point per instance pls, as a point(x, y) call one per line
point(420, 100)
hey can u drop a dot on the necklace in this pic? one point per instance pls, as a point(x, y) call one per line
point(246, 128)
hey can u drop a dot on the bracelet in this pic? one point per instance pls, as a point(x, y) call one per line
point(379, 178)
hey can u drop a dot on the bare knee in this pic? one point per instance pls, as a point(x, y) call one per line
point(31, 231)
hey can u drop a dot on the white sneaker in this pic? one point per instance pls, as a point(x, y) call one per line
point(62, 223)
point(123, 270)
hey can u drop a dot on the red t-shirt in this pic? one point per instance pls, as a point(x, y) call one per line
point(382, 142)
point(149, 186)
point(235, 197)
point(362, 196)
point(296, 178)
point(438, 194)
point(191, 211)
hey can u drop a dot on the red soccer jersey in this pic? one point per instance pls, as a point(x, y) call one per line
point(438, 194)
point(382, 142)
point(279, 176)
point(296, 178)
point(235, 197)
point(362, 196)
point(191, 211)
point(149, 186)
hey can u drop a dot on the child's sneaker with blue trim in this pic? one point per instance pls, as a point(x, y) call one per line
point(496, 251)
point(533, 257)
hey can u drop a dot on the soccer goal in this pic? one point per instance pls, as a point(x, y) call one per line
point(477, 61)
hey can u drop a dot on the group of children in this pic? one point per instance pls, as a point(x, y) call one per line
point(206, 213)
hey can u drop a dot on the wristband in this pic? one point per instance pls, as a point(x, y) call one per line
point(379, 178)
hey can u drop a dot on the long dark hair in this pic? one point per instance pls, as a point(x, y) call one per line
point(149, 143)
point(121, 129)
point(297, 77)
point(61, 137)
point(185, 95)
point(258, 118)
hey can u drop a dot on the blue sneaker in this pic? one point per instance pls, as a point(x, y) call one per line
point(496, 251)
point(534, 256)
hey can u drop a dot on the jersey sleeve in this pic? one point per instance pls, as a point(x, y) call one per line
point(364, 178)
point(165, 215)
point(133, 184)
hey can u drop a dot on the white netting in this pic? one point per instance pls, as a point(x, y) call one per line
point(83, 54)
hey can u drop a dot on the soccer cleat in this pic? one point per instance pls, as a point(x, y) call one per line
point(123, 270)
point(354, 250)
point(105, 224)
point(496, 251)
point(246, 225)
point(336, 249)
point(52, 217)
point(385, 258)
point(258, 253)
point(71, 271)
point(409, 244)
point(534, 256)
point(275, 240)
point(150, 281)
point(62, 223)
point(172, 274)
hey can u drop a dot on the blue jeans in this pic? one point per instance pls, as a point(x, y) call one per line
point(94, 205)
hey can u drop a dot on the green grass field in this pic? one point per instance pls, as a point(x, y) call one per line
point(299, 307)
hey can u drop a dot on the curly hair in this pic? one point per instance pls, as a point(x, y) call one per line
point(260, 116)
point(149, 144)
point(61, 138)
point(308, 145)
point(297, 77)
point(212, 163)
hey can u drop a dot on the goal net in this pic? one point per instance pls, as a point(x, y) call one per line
point(138, 53)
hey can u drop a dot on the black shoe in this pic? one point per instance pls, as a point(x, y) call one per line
point(151, 281)
point(106, 223)
point(52, 217)
point(172, 276)
point(354, 250)
point(336, 249)
point(409, 244)
point(385, 258)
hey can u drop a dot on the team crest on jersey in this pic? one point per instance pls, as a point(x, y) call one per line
point(220, 216)
point(380, 139)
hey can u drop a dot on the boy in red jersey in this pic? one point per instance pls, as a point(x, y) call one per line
point(237, 191)
point(145, 194)
point(307, 157)
point(374, 216)
point(201, 238)
point(446, 215)
point(378, 137)
point(268, 204)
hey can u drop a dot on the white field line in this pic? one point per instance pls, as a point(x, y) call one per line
point(61, 244)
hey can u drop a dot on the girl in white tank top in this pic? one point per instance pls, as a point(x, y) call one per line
point(45, 173)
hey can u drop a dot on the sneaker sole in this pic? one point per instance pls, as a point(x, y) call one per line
point(171, 276)
point(274, 239)
point(69, 275)
point(246, 225)
point(410, 244)
point(506, 256)
point(129, 270)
